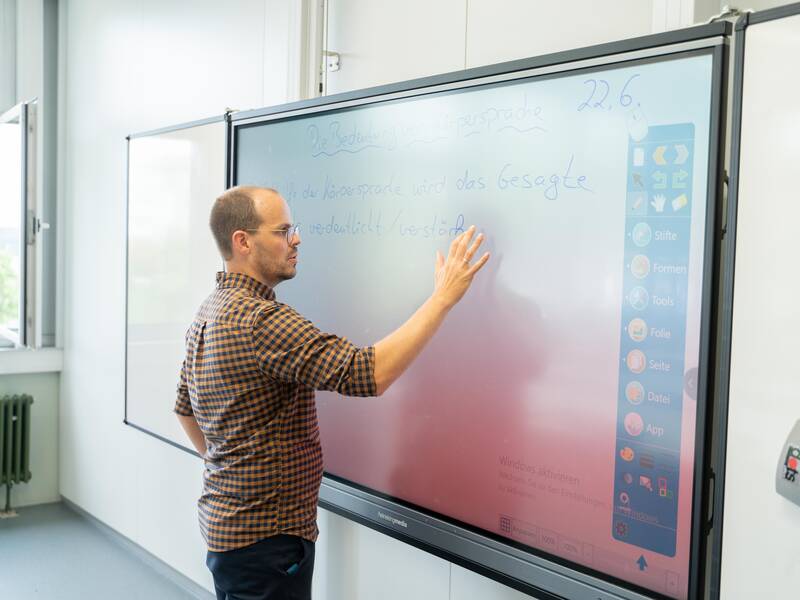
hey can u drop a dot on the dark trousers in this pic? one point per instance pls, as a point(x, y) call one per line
point(276, 568)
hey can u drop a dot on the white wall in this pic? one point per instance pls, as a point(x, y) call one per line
point(383, 42)
point(8, 54)
point(519, 28)
point(374, 39)
point(756, 4)
point(131, 66)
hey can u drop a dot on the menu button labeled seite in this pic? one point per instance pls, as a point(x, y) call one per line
point(660, 365)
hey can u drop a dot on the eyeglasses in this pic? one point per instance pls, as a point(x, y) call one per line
point(289, 232)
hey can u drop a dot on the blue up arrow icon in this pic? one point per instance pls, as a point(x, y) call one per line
point(642, 563)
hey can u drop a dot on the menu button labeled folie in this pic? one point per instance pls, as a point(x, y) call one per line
point(637, 330)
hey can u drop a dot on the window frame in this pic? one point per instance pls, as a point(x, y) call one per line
point(24, 114)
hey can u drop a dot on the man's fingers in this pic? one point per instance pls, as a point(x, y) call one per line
point(460, 248)
point(479, 264)
point(453, 246)
point(456, 246)
point(473, 248)
point(463, 243)
point(439, 260)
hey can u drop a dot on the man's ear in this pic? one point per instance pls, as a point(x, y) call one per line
point(240, 242)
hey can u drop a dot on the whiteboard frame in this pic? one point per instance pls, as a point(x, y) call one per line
point(540, 573)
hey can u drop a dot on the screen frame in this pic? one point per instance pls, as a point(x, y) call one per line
point(539, 573)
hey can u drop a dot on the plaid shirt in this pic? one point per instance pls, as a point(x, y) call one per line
point(251, 367)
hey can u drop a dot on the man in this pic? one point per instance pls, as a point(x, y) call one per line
point(246, 394)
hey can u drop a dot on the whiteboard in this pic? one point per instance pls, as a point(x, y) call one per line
point(760, 530)
point(557, 405)
point(174, 176)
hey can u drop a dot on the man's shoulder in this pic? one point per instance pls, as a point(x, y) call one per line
point(235, 306)
point(272, 315)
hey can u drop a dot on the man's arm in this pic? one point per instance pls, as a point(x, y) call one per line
point(183, 410)
point(192, 429)
point(395, 352)
point(290, 348)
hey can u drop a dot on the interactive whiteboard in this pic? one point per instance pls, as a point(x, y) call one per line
point(556, 409)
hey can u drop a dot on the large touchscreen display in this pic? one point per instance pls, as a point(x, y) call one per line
point(556, 406)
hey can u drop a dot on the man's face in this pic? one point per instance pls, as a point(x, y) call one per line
point(274, 257)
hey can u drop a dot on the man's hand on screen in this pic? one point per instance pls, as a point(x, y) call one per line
point(454, 274)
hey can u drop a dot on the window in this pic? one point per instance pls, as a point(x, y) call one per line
point(17, 243)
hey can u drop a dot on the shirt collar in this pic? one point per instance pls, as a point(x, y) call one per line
point(240, 280)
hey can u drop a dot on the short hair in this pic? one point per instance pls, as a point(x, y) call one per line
point(234, 210)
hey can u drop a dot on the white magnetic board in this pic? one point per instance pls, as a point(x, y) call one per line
point(173, 179)
point(761, 530)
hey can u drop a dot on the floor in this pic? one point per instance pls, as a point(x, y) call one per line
point(51, 552)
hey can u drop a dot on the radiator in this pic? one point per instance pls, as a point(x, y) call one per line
point(15, 442)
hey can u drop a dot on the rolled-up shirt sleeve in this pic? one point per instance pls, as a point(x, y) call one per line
point(289, 348)
point(183, 405)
